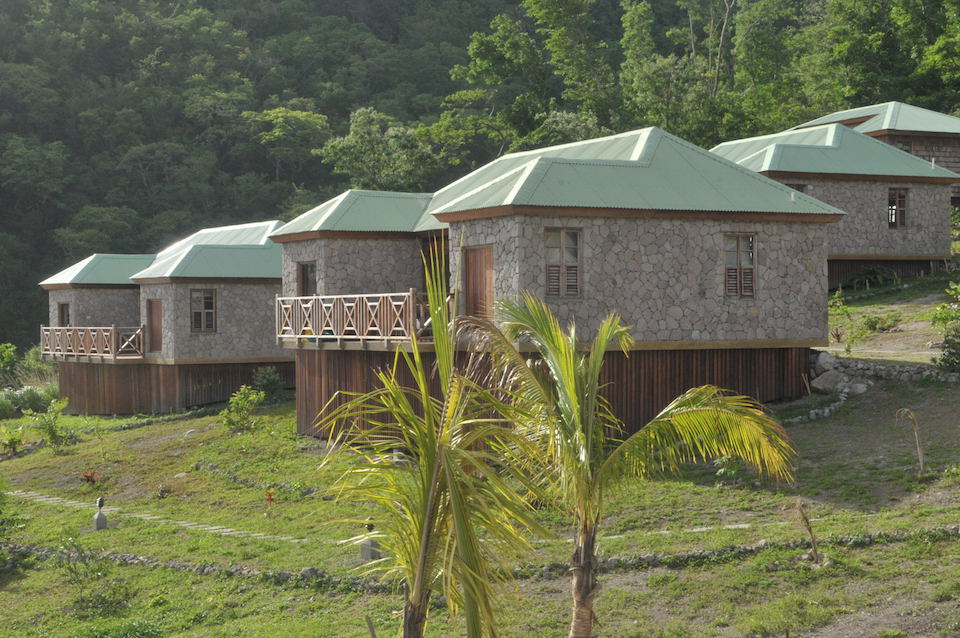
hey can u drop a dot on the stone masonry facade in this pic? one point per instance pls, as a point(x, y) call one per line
point(945, 150)
point(97, 307)
point(864, 231)
point(666, 276)
point(348, 266)
point(245, 322)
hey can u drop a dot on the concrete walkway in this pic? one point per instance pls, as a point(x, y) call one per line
point(153, 518)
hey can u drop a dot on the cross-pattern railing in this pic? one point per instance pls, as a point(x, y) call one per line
point(395, 316)
point(111, 342)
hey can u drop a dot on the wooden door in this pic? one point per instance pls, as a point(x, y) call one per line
point(154, 325)
point(478, 280)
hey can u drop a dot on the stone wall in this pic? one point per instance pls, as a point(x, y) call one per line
point(864, 229)
point(355, 265)
point(245, 322)
point(945, 150)
point(666, 276)
point(97, 307)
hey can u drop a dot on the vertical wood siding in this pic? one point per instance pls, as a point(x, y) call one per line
point(841, 270)
point(638, 386)
point(95, 388)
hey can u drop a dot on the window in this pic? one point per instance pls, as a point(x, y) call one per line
point(896, 208)
point(203, 311)
point(63, 314)
point(802, 188)
point(739, 257)
point(307, 279)
point(563, 262)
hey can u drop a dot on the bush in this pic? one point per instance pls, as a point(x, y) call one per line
point(950, 358)
point(7, 409)
point(95, 592)
point(872, 277)
point(33, 370)
point(11, 438)
point(31, 399)
point(238, 415)
point(50, 392)
point(8, 364)
point(880, 323)
point(267, 380)
point(47, 423)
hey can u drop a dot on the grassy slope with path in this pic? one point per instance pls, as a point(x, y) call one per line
point(856, 475)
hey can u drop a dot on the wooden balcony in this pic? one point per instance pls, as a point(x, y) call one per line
point(110, 343)
point(339, 320)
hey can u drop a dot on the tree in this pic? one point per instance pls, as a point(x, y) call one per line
point(447, 519)
point(288, 136)
point(577, 435)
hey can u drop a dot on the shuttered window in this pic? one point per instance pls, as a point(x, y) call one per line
point(739, 259)
point(896, 208)
point(203, 311)
point(563, 262)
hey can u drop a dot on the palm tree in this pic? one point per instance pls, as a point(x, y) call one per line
point(449, 520)
point(579, 438)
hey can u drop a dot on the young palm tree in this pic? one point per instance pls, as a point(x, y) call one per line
point(448, 520)
point(578, 436)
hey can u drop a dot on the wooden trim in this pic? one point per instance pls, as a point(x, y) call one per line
point(852, 177)
point(894, 132)
point(889, 257)
point(92, 286)
point(344, 234)
point(571, 211)
point(210, 280)
point(853, 121)
point(177, 362)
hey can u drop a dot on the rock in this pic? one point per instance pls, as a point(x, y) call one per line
point(825, 362)
point(828, 382)
point(858, 387)
point(180, 475)
point(309, 573)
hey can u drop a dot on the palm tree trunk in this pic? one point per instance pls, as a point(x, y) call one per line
point(414, 617)
point(583, 569)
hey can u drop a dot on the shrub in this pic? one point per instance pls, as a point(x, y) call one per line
point(7, 409)
point(50, 392)
point(267, 380)
point(11, 438)
point(47, 423)
point(95, 592)
point(871, 277)
point(949, 359)
point(238, 415)
point(30, 399)
point(33, 370)
point(874, 322)
point(8, 364)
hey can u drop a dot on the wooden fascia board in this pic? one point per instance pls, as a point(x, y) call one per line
point(570, 211)
point(210, 280)
point(88, 286)
point(895, 132)
point(852, 177)
point(888, 257)
point(343, 234)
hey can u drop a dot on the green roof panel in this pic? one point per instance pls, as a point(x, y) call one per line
point(891, 116)
point(362, 211)
point(830, 148)
point(219, 262)
point(100, 270)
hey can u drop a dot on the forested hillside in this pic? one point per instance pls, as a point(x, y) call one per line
point(127, 123)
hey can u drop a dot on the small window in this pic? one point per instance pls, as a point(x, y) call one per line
point(203, 311)
point(801, 188)
point(63, 314)
point(739, 260)
point(897, 208)
point(307, 279)
point(563, 262)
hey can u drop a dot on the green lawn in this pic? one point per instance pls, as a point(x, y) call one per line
point(856, 475)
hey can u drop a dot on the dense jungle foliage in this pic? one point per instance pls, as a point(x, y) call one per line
point(125, 124)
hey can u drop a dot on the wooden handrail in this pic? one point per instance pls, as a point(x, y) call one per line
point(103, 342)
point(392, 316)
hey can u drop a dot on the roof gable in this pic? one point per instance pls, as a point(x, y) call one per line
point(890, 116)
point(361, 211)
point(100, 270)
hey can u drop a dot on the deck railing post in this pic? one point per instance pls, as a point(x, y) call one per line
point(114, 341)
point(410, 323)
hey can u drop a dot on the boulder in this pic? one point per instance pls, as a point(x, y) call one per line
point(858, 387)
point(825, 362)
point(828, 383)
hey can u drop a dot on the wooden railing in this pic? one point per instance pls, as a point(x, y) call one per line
point(110, 342)
point(388, 317)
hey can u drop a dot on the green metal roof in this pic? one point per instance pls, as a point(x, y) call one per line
point(218, 262)
point(892, 116)
point(362, 211)
point(646, 169)
point(830, 148)
point(100, 269)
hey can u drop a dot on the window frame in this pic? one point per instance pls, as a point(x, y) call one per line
point(303, 278)
point(800, 188)
point(565, 270)
point(743, 278)
point(203, 311)
point(63, 314)
point(897, 207)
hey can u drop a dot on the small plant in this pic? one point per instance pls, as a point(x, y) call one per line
point(238, 416)
point(11, 438)
point(89, 575)
point(7, 409)
point(29, 398)
point(874, 322)
point(47, 423)
point(8, 365)
point(163, 491)
point(730, 470)
point(268, 381)
point(872, 277)
point(949, 358)
point(804, 521)
point(904, 414)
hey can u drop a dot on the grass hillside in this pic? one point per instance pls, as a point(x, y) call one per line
point(857, 477)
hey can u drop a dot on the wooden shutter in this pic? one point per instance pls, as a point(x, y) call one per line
point(746, 282)
point(572, 281)
point(154, 325)
point(553, 280)
point(731, 283)
point(478, 280)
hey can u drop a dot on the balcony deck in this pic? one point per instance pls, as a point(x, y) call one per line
point(352, 321)
point(92, 343)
